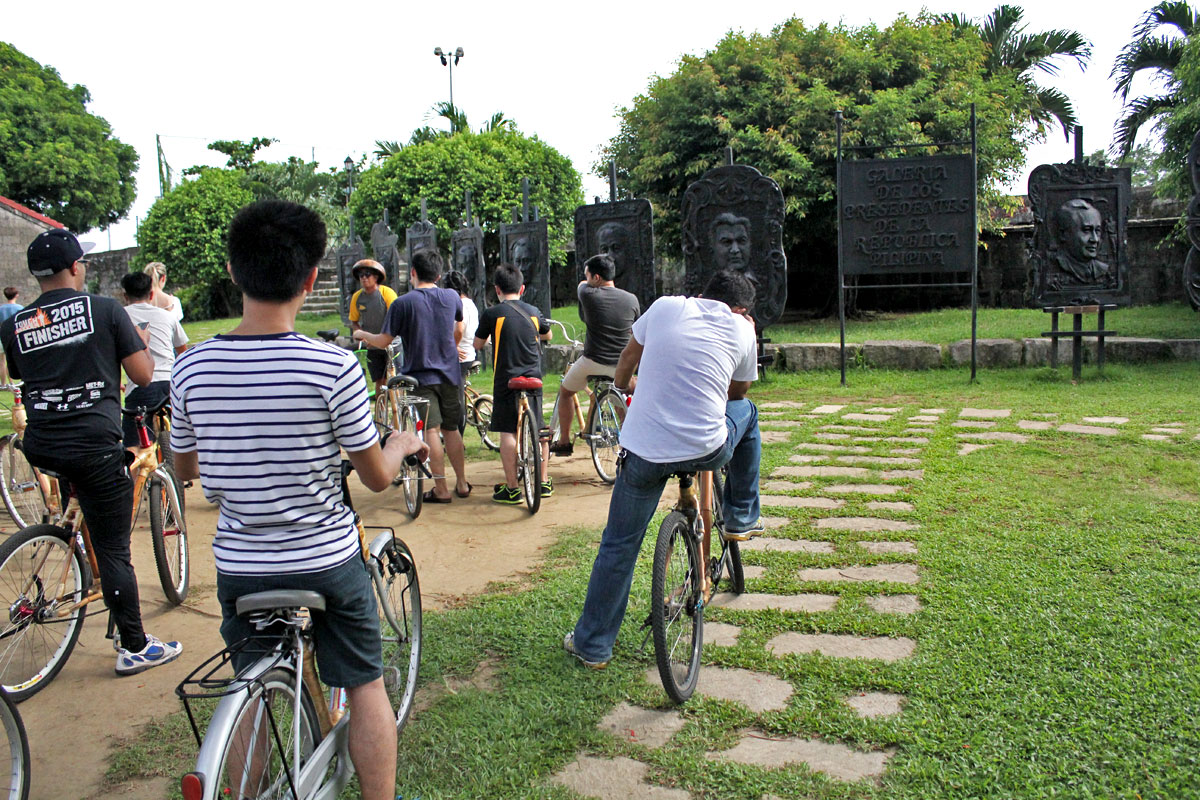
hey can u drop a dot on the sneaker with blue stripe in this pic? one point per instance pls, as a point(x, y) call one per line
point(155, 653)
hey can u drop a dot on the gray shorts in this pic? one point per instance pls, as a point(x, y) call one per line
point(445, 405)
point(349, 649)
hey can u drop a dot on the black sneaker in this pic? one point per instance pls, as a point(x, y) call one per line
point(548, 487)
point(562, 448)
point(507, 496)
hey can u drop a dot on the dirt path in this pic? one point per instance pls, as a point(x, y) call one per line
point(460, 548)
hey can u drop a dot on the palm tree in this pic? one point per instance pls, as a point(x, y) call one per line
point(1022, 54)
point(458, 124)
point(1157, 54)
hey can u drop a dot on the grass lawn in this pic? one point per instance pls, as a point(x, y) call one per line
point(1057, 649)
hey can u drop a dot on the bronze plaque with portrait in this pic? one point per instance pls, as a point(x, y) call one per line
point(624, 231)
point(466, 255)
point(1078, 248)
point(349, 253)
point(732, 218)
point(525, 246)
point(384, 250)
point(420, 235)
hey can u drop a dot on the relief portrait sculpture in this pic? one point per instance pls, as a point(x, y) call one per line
point(1080, 227)
point(466, 261)
point(612, 240)
point(731, 243)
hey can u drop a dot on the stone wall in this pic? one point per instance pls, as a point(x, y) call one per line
point(106, 269)
point(16, 232)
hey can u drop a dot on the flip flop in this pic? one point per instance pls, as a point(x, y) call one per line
point(430, 497)
point(467, 493)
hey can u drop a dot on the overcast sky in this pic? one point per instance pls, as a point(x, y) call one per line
point(328, 80)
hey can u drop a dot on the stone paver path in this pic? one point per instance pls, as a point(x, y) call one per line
point(881, 648)
point(903, 604)
point(768, 544)
point(865, 524)
point(892, 573)
point(613, 779)
point(870, 705)
point(644, 726)
point(835, 760)
point(749, 601)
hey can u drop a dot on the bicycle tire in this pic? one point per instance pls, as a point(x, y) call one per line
point(166, 456)
point(529, 462)
point(252, 729)
point(483, 420)
point(19, 485)
point(604, 436)
point(14, 779)
point(381, 412)
point(729, 563)
point(34, 645)
point(412, 485)
point(168, 534)
point(394, 573)
point(676, 607)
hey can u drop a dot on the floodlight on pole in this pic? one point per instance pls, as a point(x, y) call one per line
point(451, 61)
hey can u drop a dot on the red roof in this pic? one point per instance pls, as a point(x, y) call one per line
point(29, 212)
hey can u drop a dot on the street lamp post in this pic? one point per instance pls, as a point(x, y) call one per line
point(349, 165)
point(450, 61)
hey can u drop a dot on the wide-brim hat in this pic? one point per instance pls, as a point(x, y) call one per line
point(374, 266)
point(53, 251)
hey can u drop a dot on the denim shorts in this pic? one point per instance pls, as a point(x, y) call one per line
point(349, 650)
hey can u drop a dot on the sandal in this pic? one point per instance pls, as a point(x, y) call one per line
point(430, 497)
point(467, 493)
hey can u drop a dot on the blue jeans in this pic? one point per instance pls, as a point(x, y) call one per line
point(634, 500)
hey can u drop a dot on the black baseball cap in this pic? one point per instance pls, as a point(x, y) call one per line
point(53, 251)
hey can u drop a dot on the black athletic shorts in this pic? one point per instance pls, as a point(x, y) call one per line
point(504, 409)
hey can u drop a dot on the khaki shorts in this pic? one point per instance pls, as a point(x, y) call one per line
point(576, 378)
point(445, 405)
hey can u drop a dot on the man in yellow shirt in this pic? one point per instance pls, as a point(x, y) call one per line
point(368, 309)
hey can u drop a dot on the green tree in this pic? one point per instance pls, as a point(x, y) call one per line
point(1023, 55)
point(1157, 55)
point(55, 156)
point(186, 229)
point(773, 98)
point(1142, 163)
point(490, 165)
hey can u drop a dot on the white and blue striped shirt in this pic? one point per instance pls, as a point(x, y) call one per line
point(266, 416)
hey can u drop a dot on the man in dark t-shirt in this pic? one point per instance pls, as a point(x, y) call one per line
point(514, 328)
point(69, 348)
point(609, 314)
point(429, 321)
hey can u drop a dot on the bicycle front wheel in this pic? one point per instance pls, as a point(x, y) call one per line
point(19, 485)
point(395, 576)
point(483, 420)
point(168, 534)
point(676, 607)
point(381, 412)
point(43, 578)
point(258, 758)
point(166, 456)
point(410, 475)
point(529, 462)
point(14, 773)
point(605, 435)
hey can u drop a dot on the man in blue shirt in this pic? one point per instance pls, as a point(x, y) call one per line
point(430, 322)
point(6, 311)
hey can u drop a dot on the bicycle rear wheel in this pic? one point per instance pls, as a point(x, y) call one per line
point(410, 475)
point(394, 573)
point(604, 437)
point(166, 456)
point(258, 757)
point(14, 772)
point(529, 461)
point(19, 485)
point(36, 637)
point(676, 610)
point(483, 420)
point(168, 534)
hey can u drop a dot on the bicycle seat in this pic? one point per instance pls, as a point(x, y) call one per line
point(402, 382)
point(280, 598)
point(524, 384)
point(150, 411)
point(471, 366)
point(330, 335)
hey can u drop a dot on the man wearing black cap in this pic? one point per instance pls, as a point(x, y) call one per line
point(69, 347)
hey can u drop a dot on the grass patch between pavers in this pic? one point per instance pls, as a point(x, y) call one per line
point(1057, 649)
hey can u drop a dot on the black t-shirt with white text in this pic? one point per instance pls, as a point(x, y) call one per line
point(68, 346)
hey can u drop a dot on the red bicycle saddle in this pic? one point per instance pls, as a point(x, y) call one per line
point(523, 384)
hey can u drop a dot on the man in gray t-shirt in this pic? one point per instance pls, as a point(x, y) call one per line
point(609, 314)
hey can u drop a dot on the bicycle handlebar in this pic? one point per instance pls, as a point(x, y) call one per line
point(566, 332)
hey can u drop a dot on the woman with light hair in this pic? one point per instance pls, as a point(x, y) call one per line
point(158, 275)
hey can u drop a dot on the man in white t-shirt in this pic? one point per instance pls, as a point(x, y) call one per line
point(697, 359)
point(167, 339)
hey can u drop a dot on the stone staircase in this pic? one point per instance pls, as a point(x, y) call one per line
point(326, 297)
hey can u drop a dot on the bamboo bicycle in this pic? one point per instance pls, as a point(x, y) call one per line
point(49, 576)
point(478, 408)
point(27, 494)
point(530, 463)
point(272, 734)
point(602, 427)
point(685, 576)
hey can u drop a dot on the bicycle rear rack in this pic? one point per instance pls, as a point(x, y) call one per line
point(216, 678)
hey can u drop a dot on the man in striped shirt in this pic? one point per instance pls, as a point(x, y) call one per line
point(261, 415)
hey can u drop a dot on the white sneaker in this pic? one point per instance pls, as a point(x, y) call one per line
point(155, 652)
point(746, 535)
